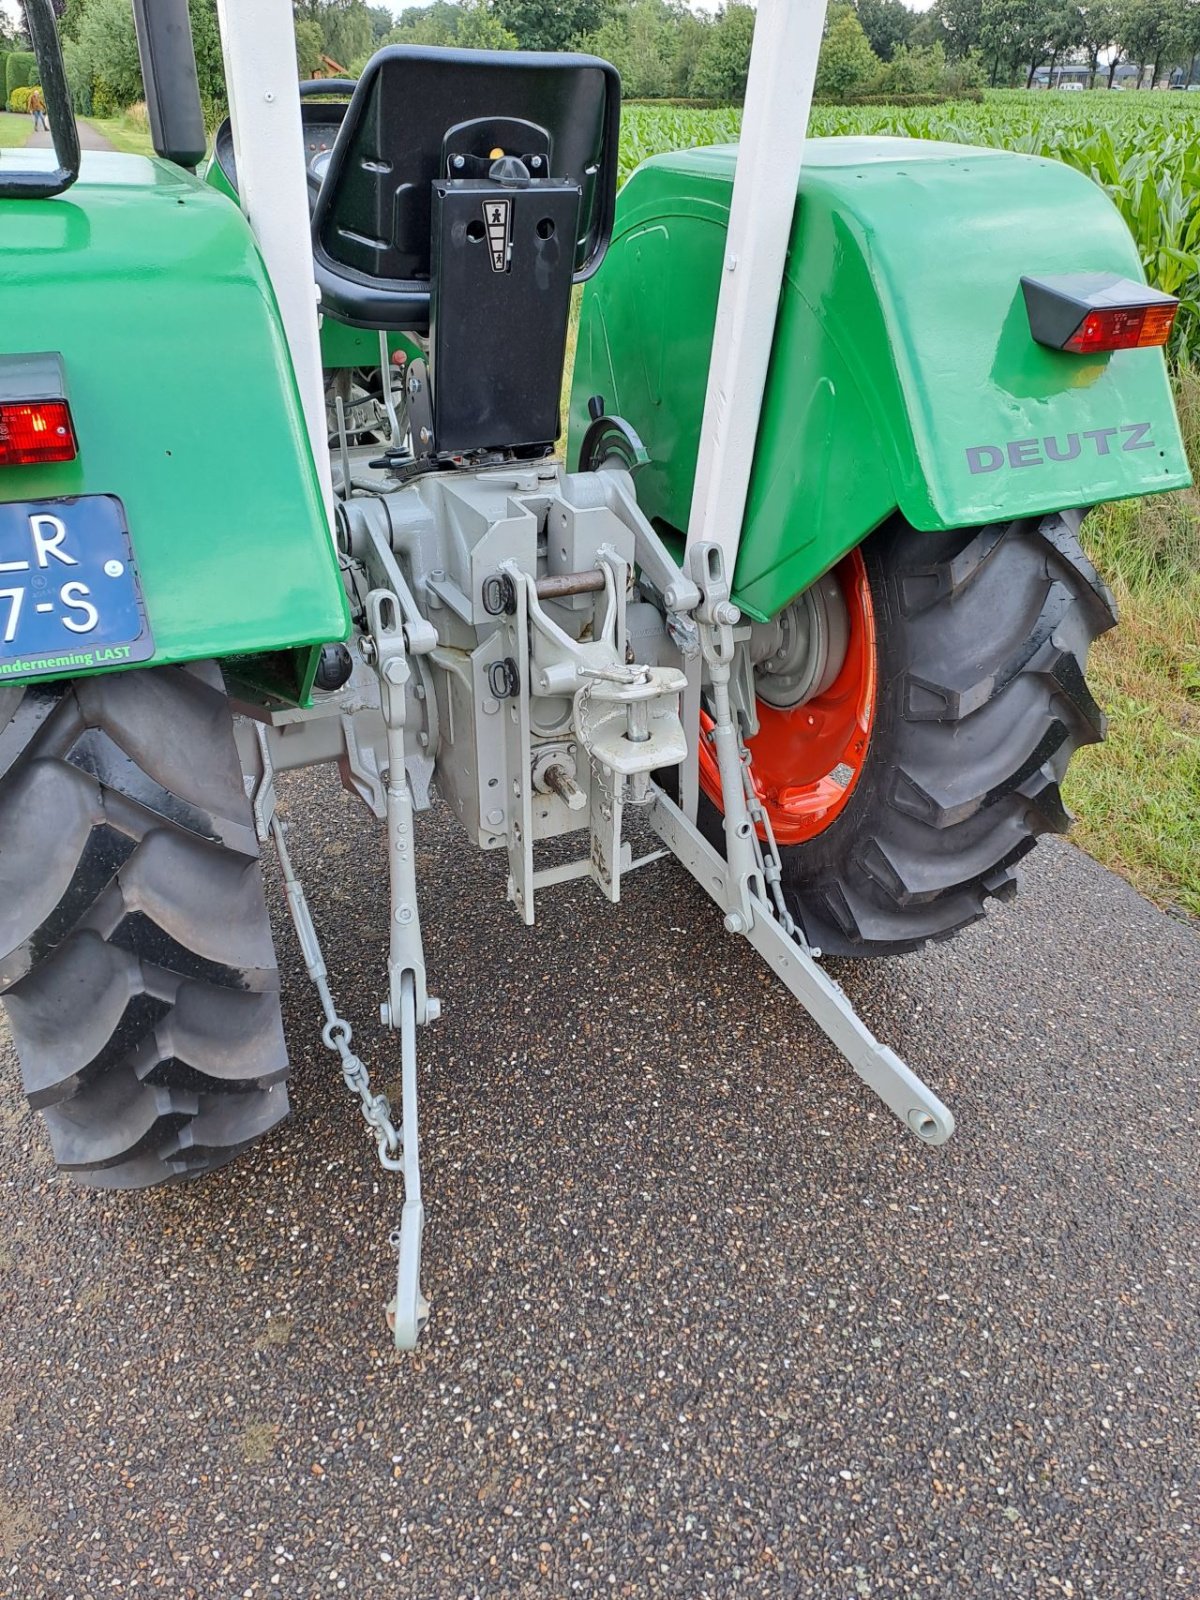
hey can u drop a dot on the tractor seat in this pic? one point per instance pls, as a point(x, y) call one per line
point(421, 116)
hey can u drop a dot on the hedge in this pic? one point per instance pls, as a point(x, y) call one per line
point(948, 98)
point(20, 71)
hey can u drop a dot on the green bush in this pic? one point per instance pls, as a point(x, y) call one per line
point(18, 100)
point(104, 102)
point(3, 84)
point(911, 72)
point(79, 77)
point(20, 70)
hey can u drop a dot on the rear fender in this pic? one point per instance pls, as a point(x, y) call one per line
point(151, 287)
point(904, 375)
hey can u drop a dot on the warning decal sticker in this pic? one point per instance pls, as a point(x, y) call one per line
point(496, 217)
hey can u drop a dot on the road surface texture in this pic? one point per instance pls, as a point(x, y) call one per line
point(706, 1321)
point(89, 139)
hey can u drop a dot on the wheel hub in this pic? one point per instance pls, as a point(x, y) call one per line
point(815, 684)
point(799, 653)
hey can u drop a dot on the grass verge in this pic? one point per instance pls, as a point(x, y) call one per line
point(123, 133)
point(14, 130)
point(1137, 797)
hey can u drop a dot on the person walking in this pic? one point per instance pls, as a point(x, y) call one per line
point(37, 107)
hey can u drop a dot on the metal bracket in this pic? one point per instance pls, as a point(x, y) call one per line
point(879, 1067)
point(405, 948)
point(409, 1311)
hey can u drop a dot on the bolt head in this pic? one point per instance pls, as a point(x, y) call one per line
point(734, 923)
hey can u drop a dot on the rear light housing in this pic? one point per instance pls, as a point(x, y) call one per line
point(1090, 313)
point(35, 418)
point(36, 431)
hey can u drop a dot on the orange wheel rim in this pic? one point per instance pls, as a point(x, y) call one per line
point(807, 759)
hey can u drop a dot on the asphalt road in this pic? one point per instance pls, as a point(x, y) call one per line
point(706, 1322)
point(89, 139)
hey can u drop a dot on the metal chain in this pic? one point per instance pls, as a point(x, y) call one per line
point(337, 1032)
point(765, 847)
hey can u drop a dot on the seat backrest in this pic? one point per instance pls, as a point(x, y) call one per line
point(421, 115)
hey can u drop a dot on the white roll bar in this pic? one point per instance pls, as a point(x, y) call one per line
point(259, 45)
point(783, 69)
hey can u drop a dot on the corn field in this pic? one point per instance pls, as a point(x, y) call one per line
point(1143, 148)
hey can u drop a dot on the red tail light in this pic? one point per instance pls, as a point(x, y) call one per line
point(33, 431)
point(1092, 312)
point(1124, 328)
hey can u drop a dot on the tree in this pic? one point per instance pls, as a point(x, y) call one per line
point(690, 33)
point(381, 22)
point(68, 24)
point(1062, 30)
point(846, 63)
point(962, 25)
point(887, 25)
point(640, 40)
point(435, 24)
point(1144, 32)
point(1098, 26)
point(346, 25)
point(539, 26)
point(724, 61)
point(310, 47)
point(210, 63)
point(1183, 36)
point(481, 29)
point(110, 51)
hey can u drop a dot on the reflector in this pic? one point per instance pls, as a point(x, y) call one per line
point(1091, 312)
point(35, 431)
point(35, 419)
point(1124, 328)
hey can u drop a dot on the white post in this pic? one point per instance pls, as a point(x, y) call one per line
point(259, 46)
point(783, 68)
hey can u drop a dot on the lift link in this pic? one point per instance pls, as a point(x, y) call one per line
point(397, 1148)
point(337, 1032)
point(747, 883)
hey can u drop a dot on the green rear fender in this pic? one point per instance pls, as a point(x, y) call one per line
point(903, 373)
point(151, 287)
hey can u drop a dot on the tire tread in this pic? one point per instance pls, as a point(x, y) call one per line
point(136, 960)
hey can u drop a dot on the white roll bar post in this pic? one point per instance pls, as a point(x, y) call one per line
point(259, 45)
point(779, 91)
point(783, 69)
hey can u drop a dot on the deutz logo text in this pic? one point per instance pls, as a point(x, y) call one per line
point(1053, 447)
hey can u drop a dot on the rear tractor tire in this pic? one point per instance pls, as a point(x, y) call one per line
point(920, 768)
point(136, 962)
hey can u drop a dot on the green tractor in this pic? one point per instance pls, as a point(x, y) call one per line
point(278, 488)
